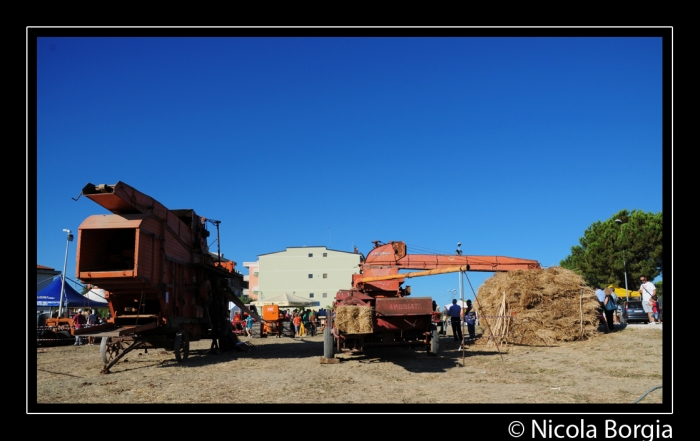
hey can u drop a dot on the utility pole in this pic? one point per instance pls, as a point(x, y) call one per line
point(624, 263)
point(69, 239)
point(459, 273)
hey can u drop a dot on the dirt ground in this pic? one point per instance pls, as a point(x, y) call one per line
point(620, 367)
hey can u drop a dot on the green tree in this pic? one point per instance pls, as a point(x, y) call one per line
point(609, 247)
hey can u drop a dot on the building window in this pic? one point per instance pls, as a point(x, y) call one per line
point(325, 276)
point(311, 254)
point(325, 254)
point(311, 276)
point(324, 295)
point(311, 295)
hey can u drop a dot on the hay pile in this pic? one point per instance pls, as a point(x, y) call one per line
point(536, 307)
point(352, 319)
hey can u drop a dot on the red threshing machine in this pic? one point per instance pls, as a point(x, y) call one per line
point(396, 318)
point(163, 286)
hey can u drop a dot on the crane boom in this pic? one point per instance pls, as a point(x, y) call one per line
point(385, 260)
point(416, 274)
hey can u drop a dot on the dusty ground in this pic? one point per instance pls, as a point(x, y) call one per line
point(610, 368)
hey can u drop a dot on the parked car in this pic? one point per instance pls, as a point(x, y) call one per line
point(633, 311)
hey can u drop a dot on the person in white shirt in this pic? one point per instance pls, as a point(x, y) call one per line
point(647, 290)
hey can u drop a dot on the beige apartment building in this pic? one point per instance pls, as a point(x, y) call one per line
point(316, 273)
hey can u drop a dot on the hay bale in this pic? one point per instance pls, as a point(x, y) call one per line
point(352, 319)
point(536, 307)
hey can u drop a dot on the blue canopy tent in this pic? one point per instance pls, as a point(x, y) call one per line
point(51, 297)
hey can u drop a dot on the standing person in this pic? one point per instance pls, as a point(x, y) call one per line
point(312, 323)
point(91, 321)
point(436, 317)
point(647, 290)
point(655, 308)
point(610, 307)
point(456, 320)
point(249, 325)
point(470, 320)
point(305, 322)
point(297, 324)
point(600, 294)
point(445, 315)
point(78, 322)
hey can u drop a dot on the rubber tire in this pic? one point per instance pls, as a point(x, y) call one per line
point(64, 340)
point(182, 345)
point(49, 339)
point(434, 340)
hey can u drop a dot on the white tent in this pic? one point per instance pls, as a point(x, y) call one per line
point(286, 301)
point(97, 295)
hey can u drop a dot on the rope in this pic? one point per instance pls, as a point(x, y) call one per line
point(580, 299)
point(645, 394)
point(476, 300)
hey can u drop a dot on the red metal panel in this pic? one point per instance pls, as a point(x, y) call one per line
point(404, 306)
point(112, 202)
point(149, 250)
point(96, 275)
point(102, 221)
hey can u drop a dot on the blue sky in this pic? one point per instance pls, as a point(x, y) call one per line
point(510, 145)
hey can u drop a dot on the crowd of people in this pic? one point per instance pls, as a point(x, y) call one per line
point(458, 318)
point(610, 304)
point(305, 322)
point(650, 301)
point(85, 319)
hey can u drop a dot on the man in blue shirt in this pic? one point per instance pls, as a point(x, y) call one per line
point(600, 294)
point(456, 320)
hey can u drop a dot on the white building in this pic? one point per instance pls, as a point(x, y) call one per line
point(316, 273)
point(44, 276)
point(252, 280)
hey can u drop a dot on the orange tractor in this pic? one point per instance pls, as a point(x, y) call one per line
point(378, 311)
point(273, 321)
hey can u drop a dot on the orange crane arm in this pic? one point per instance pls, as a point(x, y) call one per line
point(393, 255)
point(385, 260)
point(416, 274)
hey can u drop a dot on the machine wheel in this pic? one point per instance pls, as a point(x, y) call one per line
point(109, 350)
point(64, 339)
point(182, 345)
point(434, 339)
point(48, 339)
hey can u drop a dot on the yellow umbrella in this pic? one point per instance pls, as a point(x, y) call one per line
point(620, 293)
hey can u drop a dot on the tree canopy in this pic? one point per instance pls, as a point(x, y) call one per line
point(628, 240)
